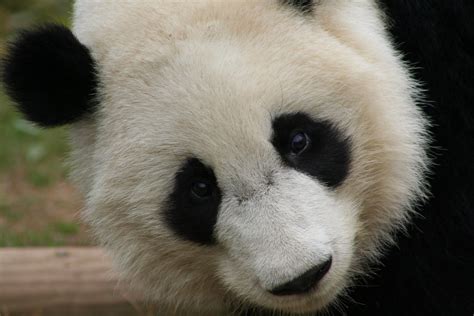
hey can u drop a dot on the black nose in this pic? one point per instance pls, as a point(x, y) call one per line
point(305, 282)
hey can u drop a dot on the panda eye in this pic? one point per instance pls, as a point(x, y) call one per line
point(193, 205)
point(299, 143)
point(201, 190)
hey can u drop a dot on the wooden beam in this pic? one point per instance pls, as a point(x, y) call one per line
point(61, 281)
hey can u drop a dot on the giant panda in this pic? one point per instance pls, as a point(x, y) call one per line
point(269, 157)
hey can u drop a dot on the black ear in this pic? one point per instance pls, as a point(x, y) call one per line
point(302, 5)
point(51, 76)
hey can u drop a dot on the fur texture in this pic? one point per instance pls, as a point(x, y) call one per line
point(207, 80)
point(216, 90)
point(51, 76)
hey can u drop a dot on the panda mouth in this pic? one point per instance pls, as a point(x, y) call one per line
point(305, 283)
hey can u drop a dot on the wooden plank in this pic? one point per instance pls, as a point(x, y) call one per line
point(61, 280)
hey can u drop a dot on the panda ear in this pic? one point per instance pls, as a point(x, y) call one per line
point(51, 76)
point(302, 5)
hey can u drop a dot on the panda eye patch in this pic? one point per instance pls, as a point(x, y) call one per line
point(327, 160)
point(192, 207)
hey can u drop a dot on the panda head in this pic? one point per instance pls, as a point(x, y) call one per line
point(238, 154)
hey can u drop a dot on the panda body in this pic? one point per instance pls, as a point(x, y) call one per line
point(250, 156)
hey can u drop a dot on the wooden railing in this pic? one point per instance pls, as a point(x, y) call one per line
point(62, 281)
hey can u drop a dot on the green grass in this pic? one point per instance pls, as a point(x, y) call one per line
point(7, 212)
point(51, 236)
point(39, 152)
point(31, 165)
point(65, 228)
point(29, 239)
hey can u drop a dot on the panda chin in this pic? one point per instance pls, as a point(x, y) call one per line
point(316, 301)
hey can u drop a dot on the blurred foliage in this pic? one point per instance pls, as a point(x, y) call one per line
point(37, 206)
point(20, 14)
point(39, 152)
point(53, 235)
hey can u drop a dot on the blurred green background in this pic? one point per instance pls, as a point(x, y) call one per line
point(38, 207)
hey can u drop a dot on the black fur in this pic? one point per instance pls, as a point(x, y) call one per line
point(191, 218)
point(302, 5)
point(328, 156)
point(431, 271)
point(50, 75)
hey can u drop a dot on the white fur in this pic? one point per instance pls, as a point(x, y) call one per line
point(205, 78)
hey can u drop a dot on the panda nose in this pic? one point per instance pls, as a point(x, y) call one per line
point(305, 282)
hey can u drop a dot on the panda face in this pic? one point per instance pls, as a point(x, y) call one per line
point(246, 154)
point(236, 178)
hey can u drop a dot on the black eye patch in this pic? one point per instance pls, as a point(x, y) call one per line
point(193, 205)
point(326, 155)
point(302, 5)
